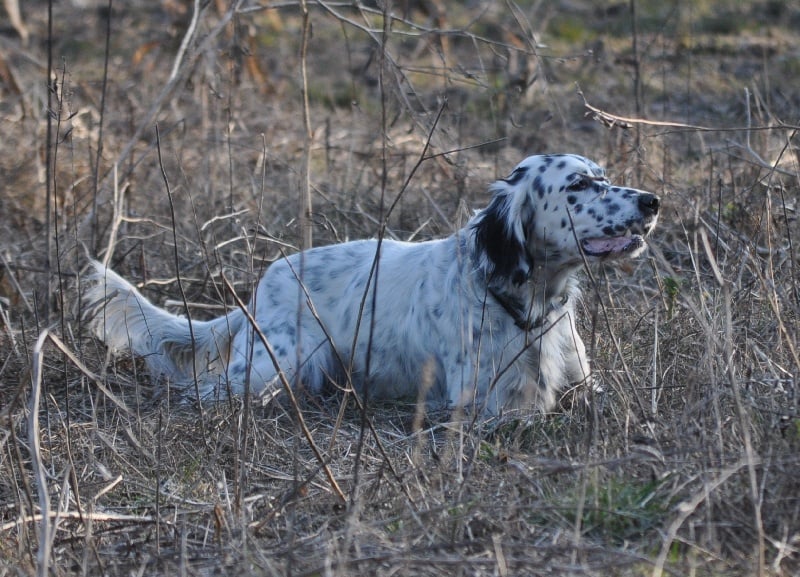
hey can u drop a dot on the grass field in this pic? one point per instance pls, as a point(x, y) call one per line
point(183, 144)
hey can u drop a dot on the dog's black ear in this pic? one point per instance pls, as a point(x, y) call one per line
point(500, 235)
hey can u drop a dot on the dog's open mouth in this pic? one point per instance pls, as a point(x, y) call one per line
point(616, 246)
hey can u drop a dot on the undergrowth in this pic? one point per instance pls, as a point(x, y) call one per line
point(684, 460)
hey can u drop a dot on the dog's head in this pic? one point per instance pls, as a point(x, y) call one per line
point(556, 210)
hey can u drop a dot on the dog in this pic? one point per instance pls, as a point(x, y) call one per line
point(483, 319)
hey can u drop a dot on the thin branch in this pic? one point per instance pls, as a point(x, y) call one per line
point(101, 123)
point(287, 387)
point(187, 38)
point(180, 284)
point(34, 446)
point(306, 230)
point(611, 120)
point(78, 515)
point(689, 506)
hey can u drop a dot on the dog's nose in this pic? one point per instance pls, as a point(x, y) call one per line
point(648, 204)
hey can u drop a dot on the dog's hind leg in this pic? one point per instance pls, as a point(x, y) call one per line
point(260, 371)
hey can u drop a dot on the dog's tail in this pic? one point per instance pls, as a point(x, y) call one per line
point(173, 348)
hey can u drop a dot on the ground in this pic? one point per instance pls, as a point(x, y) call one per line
point(183, 148)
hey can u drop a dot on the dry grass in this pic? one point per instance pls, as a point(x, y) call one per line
point(689, 464)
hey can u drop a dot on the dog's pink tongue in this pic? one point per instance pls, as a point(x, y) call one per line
point(606, 245)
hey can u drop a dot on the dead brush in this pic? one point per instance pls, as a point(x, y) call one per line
point(684, 462)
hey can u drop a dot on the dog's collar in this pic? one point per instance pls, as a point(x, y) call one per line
point(516, 310)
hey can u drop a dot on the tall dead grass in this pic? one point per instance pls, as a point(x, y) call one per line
point(271, 119)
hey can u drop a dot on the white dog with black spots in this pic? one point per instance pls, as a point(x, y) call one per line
point(483, 319)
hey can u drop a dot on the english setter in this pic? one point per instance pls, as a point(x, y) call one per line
point(482, 319)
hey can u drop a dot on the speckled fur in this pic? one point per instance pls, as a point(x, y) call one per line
point(482, 319)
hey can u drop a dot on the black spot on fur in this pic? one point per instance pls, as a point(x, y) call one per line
point(561, 164)
point(608, 230)
point(571, 199)
point(285, 328)
point(357, 284)
point(517, 175)
point(538, 186)
point(314, 283)
point(578, 208)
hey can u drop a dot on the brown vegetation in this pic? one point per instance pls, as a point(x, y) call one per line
point(192, 155)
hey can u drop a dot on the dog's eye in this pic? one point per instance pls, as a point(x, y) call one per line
point(579, 185)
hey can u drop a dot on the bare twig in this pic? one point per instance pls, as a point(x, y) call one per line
point(187, 38)
point(611, 119)
point(100, 142)
point(287, 387)
point(180, 284)
point(40, 476)
point(80, 515)
point(687, 507)
point(117, 218)
point(750, 456)
point(306, 229)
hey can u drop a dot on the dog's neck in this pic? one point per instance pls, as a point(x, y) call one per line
point(521, 314)
point(529, 302)
point(531, 291)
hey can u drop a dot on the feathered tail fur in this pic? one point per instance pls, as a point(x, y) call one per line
point(124, 319)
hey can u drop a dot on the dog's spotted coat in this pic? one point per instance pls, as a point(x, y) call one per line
point(483, 319)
